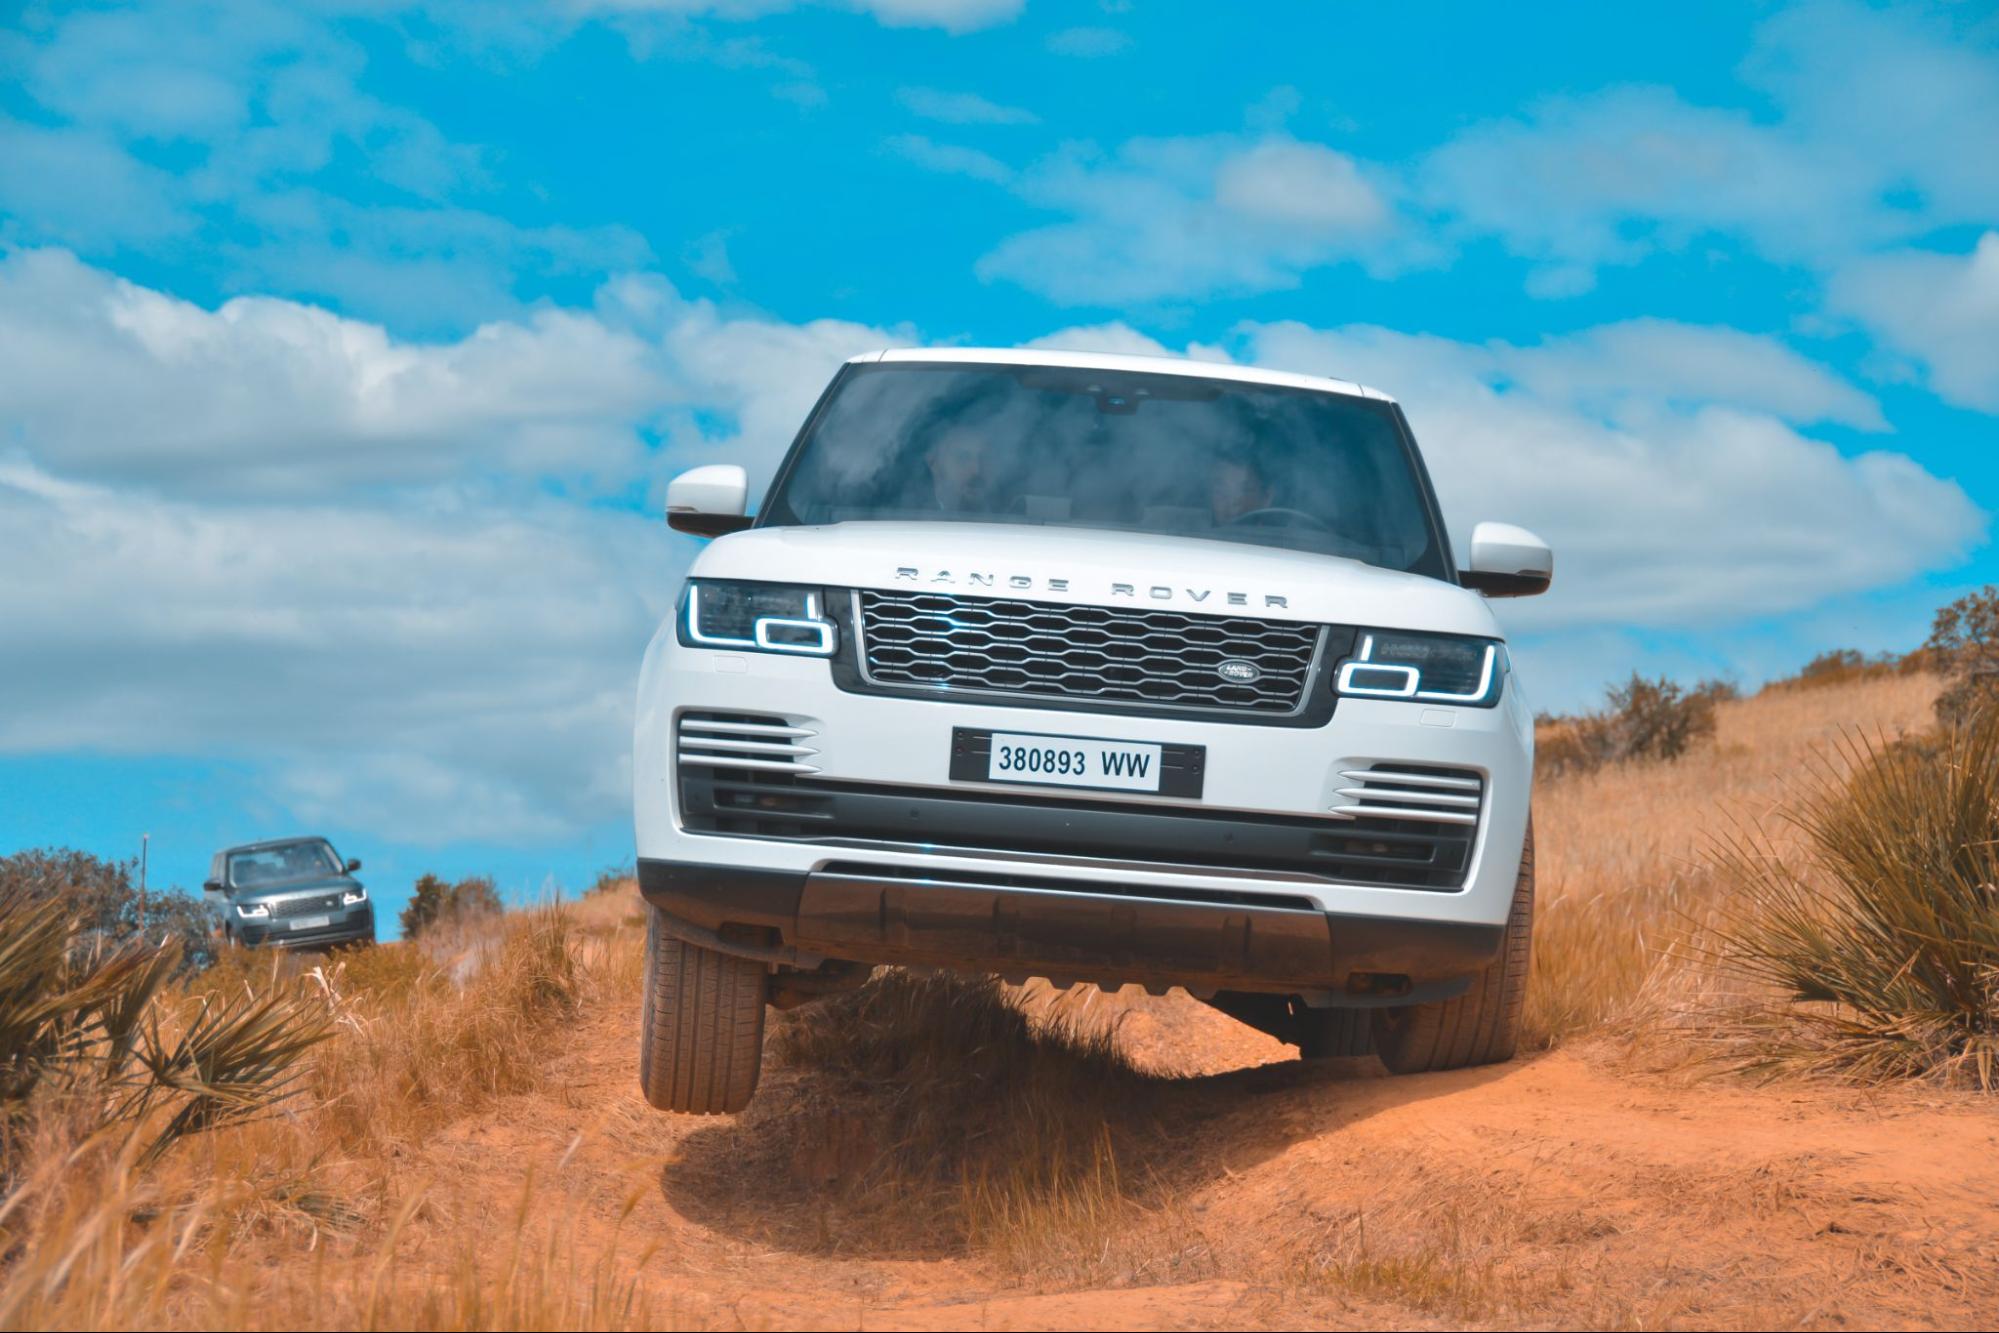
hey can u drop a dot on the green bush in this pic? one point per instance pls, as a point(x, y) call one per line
point(435, 903)
point(1964, 645)
point(1843, 666)
point(101, 899)
point(1882, 938)
point(1641, 720)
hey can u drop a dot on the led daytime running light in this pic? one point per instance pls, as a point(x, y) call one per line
point(1411, 687)
point(762, 627)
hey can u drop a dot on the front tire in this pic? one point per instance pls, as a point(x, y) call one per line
point(702, 1031)
point(1482, 1026)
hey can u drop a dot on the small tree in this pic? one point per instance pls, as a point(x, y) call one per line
point(1657, 719)
point(98, 896)
point(434, 902)
point(1964, 645)
point(426, 904)
point(1641, 720)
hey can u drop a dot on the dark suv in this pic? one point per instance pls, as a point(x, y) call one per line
point(289, 892)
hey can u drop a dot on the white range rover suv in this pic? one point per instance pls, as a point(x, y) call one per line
point(1104, 669)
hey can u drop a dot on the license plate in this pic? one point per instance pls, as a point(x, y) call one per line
point(312, 923)
point(1067, 761)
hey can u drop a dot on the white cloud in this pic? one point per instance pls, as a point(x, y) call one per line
point(954, 16)
point(1613, 177)
point(950, 159)
point(389, 572)
point(1865, 144)
point(1643, 361)
point(228, 130)
point(1190, 217)
point(951, 15)
point(1298, 184)
point(488, 648)
point(1941, 309)
point(1088, 43)
point(110, 381)
point(116, 381)
point(962, 108)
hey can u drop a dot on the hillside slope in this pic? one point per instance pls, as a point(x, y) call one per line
point(1607, 1180)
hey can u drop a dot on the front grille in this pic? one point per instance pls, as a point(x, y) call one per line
point(1406, 825)
point(1168, 659)
point(317, 903)
point(1376, 849)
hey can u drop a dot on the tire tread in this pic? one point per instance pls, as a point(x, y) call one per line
point(1482, 1026)
point(701, 1033)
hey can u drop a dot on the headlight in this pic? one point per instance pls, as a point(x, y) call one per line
point(357, 894)
point(1432, 668)
point(253, 911)
point(757, 617)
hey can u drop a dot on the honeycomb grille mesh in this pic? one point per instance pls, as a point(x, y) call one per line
point(1118, 655)
point(284, 907)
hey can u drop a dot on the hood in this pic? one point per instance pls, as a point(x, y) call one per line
point(1099, 568)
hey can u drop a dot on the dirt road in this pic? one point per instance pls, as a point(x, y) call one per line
point(1566, 1189)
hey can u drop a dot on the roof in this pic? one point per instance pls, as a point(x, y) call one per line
point(271, 842)
point(1145, 365)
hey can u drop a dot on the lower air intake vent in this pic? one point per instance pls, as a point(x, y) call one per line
point(737, 775)
point(1407, 825)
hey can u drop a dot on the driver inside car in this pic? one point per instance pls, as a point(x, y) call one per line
point(956, 463)
point(1235, 488)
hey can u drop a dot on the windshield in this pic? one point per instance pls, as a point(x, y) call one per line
point(1180, 455)
point(287, 863)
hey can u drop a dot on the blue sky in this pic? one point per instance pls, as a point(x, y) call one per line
point(345, 347)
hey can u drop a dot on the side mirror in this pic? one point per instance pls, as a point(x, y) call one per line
point(212, 886)
point(353, 864)
point(708, 501)
point(1508, 562)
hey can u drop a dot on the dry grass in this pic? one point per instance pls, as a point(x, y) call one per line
point(300, 1220)
point(1880, 942)
point(1625, 854)
point(960, 1124)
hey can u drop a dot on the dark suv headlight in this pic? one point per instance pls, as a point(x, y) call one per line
point(756, 618)
point(1430, 668)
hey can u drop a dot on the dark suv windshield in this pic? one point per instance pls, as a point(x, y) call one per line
point(1180, 455)
point(288, 863)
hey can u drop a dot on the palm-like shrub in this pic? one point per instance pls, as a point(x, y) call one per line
point(1883, 938)
point(82, 1019)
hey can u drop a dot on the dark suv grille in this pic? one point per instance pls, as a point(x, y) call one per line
point(325, 902)
point(998, 645)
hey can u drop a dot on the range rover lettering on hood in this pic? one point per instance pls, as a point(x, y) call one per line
point(1157, 592)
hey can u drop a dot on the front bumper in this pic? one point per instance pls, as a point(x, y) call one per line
point(354, 925)
point(1137, 888)
point(1030, 928)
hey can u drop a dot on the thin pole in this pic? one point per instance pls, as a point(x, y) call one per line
point(144, 840)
